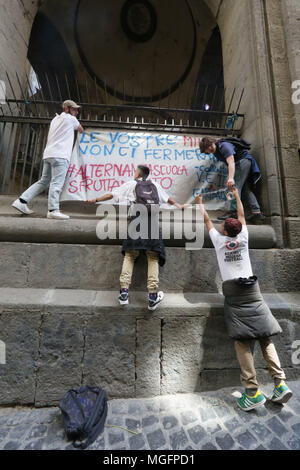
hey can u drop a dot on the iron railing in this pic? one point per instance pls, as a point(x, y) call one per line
point(25, 116)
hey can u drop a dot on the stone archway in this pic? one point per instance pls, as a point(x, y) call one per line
point(249, 58)
point(133, 52)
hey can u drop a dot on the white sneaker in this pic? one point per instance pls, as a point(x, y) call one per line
point(57, 215)
point(153, 303)
point(20, 206)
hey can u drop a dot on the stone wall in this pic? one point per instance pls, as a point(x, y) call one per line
point(16, 18)
point(67, 266)
point(291, 149)
point(57, 340)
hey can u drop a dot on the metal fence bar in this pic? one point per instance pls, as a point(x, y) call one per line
point(24, 156)
point(34, 145)
point(68, 88)
point(16, 147)
point(232, 96)
point(7, 165)
point(58, 87)
point(43, 97)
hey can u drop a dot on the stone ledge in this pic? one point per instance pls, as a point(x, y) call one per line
point(24, 229)
point(174, 303)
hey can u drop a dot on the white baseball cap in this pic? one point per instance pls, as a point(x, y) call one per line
point(70, 103)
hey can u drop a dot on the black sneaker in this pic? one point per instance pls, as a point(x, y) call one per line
point(154, 300)
point(229, 215)
point(259, 217)
point(123, 297)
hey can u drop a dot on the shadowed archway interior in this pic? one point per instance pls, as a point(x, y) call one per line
point(133, 51)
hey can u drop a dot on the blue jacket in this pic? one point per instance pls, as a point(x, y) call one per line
point(255, 174)
point(240, 149)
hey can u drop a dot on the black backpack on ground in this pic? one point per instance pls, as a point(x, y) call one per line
point(84, 413)
point(146, 193)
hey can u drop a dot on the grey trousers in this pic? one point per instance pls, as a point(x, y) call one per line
point(242, 170)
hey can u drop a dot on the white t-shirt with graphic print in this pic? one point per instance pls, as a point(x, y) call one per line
point(232, 254)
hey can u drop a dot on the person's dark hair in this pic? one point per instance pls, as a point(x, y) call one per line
point(206, 142)
point(232, 227)
point(144, 171)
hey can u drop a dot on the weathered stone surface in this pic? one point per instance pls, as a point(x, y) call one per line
point(21, 338)
point(293, 225)
point(109, 354)
point(148, 357)
point(89, 265)
point(182, 354)
point(60, 361)
point(98, 267)
point(13, 264)
point(181, 347)
point(217, 348)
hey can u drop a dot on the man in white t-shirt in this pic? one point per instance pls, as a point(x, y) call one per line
point(151, 246)
point(247, 317)
point(56, 158)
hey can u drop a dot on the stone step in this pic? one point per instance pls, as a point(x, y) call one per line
point(97, 267)
point(82, 227)
point(58, 339)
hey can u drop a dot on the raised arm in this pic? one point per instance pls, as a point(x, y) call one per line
point(207, 221)
point(231, 171)
point(240, 208)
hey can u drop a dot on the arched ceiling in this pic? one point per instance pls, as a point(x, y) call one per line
point(135, 48)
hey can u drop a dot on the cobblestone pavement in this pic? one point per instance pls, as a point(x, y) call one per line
point(209, 420)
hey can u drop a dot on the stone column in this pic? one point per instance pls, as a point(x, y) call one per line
point(291, 25)
point(16, 18)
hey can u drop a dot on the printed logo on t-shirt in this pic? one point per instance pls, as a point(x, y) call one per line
point(232, 245)
point(232, 256)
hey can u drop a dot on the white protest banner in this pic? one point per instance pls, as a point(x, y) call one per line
point(102, 160)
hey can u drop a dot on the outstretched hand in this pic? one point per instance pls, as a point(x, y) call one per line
point(198, 199)
point(91, 201)
point(235, 192)
point(230, 184)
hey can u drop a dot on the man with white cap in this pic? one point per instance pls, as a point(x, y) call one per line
point(56, 160)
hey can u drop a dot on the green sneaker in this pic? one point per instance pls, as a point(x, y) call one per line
point(246, 402)
point(281, 393)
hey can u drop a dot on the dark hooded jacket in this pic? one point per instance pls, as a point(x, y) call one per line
point(246, 314)
point(149, 243)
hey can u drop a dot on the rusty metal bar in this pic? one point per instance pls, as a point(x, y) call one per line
point(16, 148)
point(58, 87)
point(25, 155)
point(68, 88)
point(8, 160)
point(232, 96)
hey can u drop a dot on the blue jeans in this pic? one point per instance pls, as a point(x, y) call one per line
point(54, 175)
point(242, 170)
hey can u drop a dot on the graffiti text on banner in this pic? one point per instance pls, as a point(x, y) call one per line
point(103, 161)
